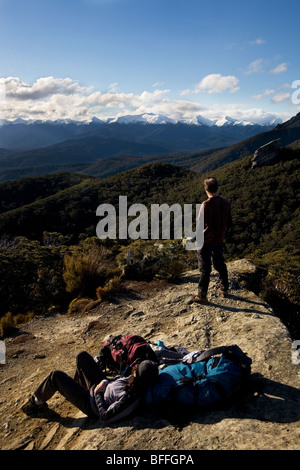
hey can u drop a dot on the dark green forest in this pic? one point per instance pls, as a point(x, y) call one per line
point(50, 255)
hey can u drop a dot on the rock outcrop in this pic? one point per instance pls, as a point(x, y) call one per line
point(267, 417)
point(266, 154)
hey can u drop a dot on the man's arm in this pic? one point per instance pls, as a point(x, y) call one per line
point(117, 410)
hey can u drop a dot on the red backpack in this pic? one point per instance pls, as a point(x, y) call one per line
point(121, 353)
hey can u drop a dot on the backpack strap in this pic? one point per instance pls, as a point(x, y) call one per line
point(187, 380)
point(233, 352)
point(212, 352)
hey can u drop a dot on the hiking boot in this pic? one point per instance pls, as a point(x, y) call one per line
point(223, 293)
point(199, 300)
point(31, 408)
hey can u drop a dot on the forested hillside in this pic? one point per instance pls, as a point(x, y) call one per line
point(16, 194)
point(49, 251)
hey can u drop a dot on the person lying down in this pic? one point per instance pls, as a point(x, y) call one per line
point(91, 391)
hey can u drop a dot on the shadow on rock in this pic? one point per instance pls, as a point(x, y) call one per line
point(265, 400)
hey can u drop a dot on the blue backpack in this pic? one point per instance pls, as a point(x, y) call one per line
point(217, 375)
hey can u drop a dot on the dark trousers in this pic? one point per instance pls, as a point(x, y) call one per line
point(76, 390)
point(211, 253)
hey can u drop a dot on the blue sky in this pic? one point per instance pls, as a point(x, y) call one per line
point(81, 58)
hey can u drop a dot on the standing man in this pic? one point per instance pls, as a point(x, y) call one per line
point(217, 219)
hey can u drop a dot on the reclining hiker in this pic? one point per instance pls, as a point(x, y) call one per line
point(92, 392)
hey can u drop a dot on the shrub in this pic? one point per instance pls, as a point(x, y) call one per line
point(9, 322)
point(110, 287)
point(148, 260)
point(31, 277)
point(86, 269)
point(173, 270)
point(77, 305)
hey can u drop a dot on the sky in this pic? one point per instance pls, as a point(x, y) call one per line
point(76, 59)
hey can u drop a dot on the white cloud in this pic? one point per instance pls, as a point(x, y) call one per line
point(2, 100)
point(246, 114)
point(215, 83)
point(109, 100)
point(113, 87)
point(42, 88)
point(175, 109)
point(258, 42)
point(280, 97)
point(255, 67)
point(265, 93)
point(157, 84)
point(280, 68)
point(186, 92)
point(51, 99)
point(287, 86)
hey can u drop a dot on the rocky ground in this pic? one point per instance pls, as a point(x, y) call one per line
point(267, 418)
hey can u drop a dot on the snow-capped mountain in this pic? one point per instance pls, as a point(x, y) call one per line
point(229, 121)
point(225, 121)
point(159, 119)
point(200, 120)
point(173, 136)
point(146, 118)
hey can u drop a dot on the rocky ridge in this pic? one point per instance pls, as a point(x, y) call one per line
point(267, 417)
point(266, 154)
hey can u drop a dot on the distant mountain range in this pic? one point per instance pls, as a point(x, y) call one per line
point(150, 118)
point(107, 149)
point(150, 129)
